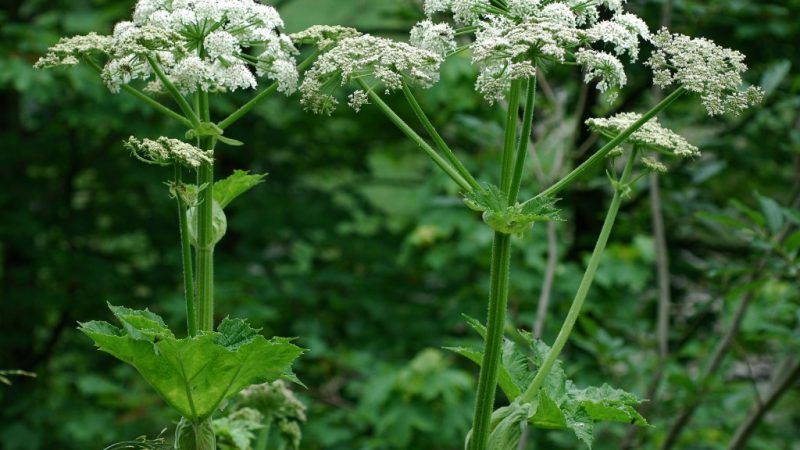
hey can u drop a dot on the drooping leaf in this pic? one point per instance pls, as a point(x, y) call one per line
point(548, 414)
point(194, 375)
point(226, 190)
point(507, 425)
point(606, 404)
point(581, 424)
point(773, 214)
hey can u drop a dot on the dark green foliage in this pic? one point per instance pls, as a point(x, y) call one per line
point(355, 244)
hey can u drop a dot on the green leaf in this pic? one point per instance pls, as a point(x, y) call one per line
point(515, 219)
point(141, 324)
point(504, 380)
point(773, 213)
point(194, 375)
point(507, 425)
point(219, 224)
point(606, 404)
point(237, 427)
point(195, 436)
point(548, 414)
point(582, 425)
point(225, 191)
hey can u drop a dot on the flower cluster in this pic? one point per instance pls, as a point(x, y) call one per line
point(388, 61)
point(651, 136)
point(198, 44)
point(165, 151)
point(323, 36)
point(705, 68)
point(436, 37)
point(510, 43)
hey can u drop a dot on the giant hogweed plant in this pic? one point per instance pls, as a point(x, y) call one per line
point(511, 42)
point(192, 52)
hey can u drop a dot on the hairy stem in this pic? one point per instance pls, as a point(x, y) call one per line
point(437, 138)
point(524, 140)
point(266, 92)
point(408, 131)
point(510, 137)
point(586, 283)
point(601, 154)
point(205, 231)
point(186, 255)
point(495, 323)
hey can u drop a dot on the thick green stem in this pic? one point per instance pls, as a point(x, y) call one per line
point(205, 231)
point(179, 99)
point(586, 283)
point(437, 138)
point(155, 104)
point(522, 143)
point(266, 92)
point(495, 324)
point(408, 131)
point(601, 154)
point(510, 135)
point(186, 255)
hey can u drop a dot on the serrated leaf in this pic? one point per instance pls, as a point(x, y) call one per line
point(514, 219)
point(233, 333)
point(141, 324)
point(194, 375)
point(607, 404)
point(226, 190)
point(548, 414)
point(238, 427)
point(507, 425)
point(582, 425)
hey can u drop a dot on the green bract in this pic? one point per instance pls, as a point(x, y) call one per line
point(515, 219)
point(558, 405)
point(193, 375)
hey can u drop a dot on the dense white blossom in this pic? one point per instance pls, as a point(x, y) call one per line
point(436, 37)
point(323, 36)
point(164, 151)
point(651, 135)
point(622, 31)
point(465, 12)
point(388, 61)
point(603, 67)
point(358, 99)
point(703, 67)
point(199, 45)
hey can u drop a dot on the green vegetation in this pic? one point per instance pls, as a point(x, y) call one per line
point(364, 250)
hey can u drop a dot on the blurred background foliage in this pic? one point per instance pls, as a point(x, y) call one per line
point(356, 245)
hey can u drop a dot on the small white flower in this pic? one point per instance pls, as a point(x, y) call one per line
point(652, 135)
point(705, 68)
point(358, 99)
point(603, 67)
point(68, 50)
point(164, 151)
point(323, 36)
point(389, 62)
point(221, 44)
point(654, 165)
point(435, 37)
point(465, 12)
point(622, 31)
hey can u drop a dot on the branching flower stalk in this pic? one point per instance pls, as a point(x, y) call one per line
point(511, 41)
point(193, 50)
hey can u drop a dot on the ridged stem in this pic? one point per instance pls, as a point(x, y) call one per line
point(186, 255)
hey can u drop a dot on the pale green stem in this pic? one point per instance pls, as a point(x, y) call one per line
point(186, 255)
point(522, 143)
point(266, 92)
point(510, 135)
point(408, 131)
point(495, 324)
point(601, 154)
point(437, 138)
point(179, 99)
point(205, 231)
point(586, 283)
point(155, 104)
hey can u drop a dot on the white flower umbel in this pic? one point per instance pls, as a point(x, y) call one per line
point(622, 31)
point(506, 50)
point(465, 12)
point(650, 136)
point(705, 68)
point(200, 45)
point(603, 67)
point(68, 51)
point(436, 37)
point(323, 36)
point(165, 151)
point(387, 61)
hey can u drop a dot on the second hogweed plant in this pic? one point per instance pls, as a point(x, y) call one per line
point(194, 51)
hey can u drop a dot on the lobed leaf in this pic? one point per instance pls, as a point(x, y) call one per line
point(194, 375)
point(226, 190)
